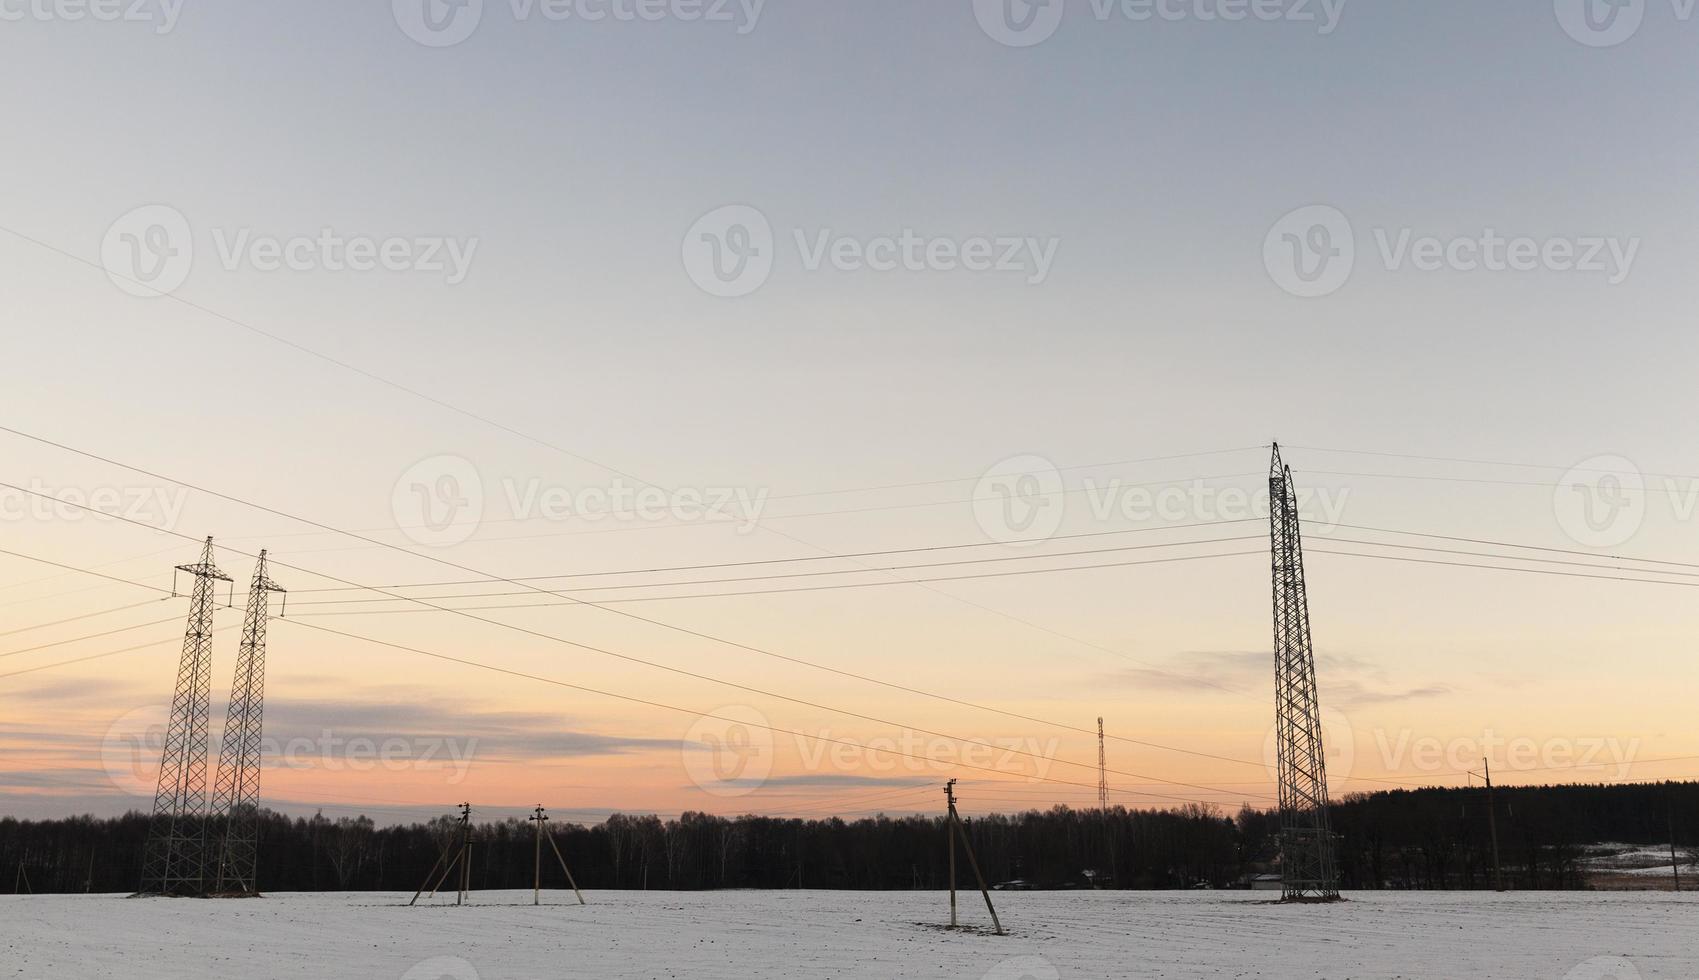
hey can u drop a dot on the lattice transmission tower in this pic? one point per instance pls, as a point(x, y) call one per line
point(174, 857)
point(236, 792)
point(1307, 870)
point(1102, 771)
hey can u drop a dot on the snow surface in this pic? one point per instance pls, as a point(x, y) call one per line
point(1634, 859)
point(777, 934)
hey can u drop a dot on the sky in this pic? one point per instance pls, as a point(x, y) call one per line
point(846, 279)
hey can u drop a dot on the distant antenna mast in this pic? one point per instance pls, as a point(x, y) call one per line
point(1102, 771)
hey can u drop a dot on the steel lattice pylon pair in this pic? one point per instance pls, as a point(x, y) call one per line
point(1307, 869)
point(184, 841)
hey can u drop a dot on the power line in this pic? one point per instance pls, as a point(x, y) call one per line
point(571, 601)
point(1504, 544)
point(73, 619)
point(1490, 462)
point(1459, 479)
point(538, 441)
point(1502, 568)
point(540, 591)
point(785, 561)
point(685, 630)
point(563, 640)
point(815, 574)
point(776, 730)
point(91, 636)
point(85, 571)
point(759, 523)
point(102, 656)
point(1505, 557)
point(605, 514)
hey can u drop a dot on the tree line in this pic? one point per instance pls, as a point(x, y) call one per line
point(1421, 838)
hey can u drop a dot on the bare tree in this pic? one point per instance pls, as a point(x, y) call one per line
point(349, 840)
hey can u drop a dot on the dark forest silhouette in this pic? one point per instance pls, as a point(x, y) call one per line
point(1425, 838)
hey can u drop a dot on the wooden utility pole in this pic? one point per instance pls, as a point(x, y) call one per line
point(1675, 862)
point(541, 817)
point(537, 858)
point(1492, 822)
point(955, 822)
point(950, 837)
point(465, 865)
point(462, 856)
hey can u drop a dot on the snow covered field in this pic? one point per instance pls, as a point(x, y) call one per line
point(755, 935)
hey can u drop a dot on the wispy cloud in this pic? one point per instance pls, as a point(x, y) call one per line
point(1345, 679)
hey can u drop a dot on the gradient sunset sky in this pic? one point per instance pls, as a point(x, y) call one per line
point(1157, 156)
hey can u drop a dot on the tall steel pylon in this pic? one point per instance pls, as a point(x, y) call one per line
point(236, 791)
point(174, 858)
point(1307, 870)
